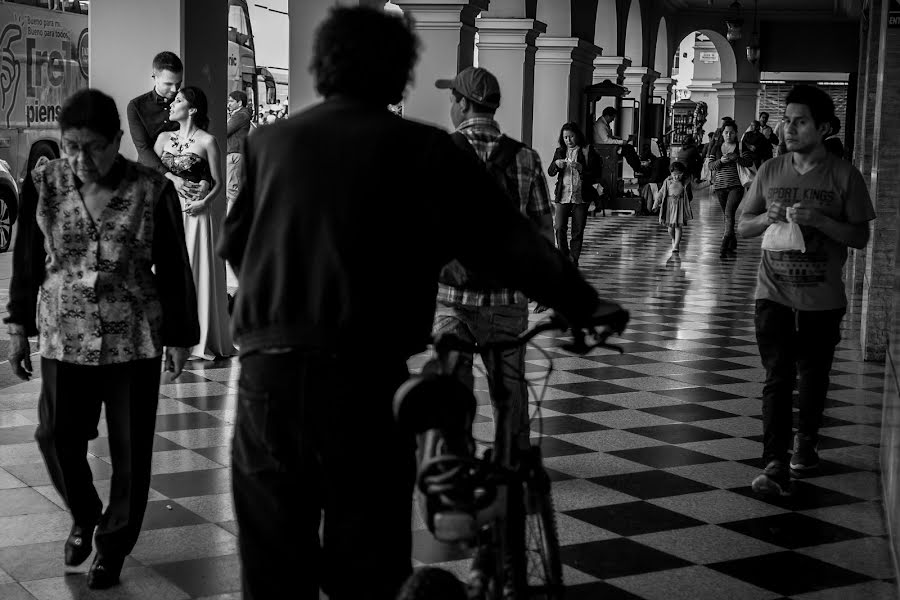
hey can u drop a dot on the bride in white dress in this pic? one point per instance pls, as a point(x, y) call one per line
point(193, 154)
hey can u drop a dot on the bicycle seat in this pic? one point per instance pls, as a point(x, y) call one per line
point(434, 401)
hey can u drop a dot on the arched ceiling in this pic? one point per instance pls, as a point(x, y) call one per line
point(663, 52)
point(773, 9)
point(634, 36)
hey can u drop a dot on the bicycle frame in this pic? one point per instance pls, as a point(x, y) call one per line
point(503, 456)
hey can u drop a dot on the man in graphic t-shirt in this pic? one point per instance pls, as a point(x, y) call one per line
point(800, 298)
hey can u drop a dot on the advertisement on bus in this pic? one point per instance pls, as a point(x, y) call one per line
point(43, 60)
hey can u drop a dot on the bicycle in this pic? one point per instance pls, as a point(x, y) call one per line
point(499, 504)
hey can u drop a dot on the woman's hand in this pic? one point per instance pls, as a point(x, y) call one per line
point(560, 163)
point(197, 207)
point(175, 359)
point(20, 356)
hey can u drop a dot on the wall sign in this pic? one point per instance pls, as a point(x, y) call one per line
point(894, 13)
point(711, 57)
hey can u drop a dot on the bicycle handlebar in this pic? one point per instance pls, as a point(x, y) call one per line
point(613, 322)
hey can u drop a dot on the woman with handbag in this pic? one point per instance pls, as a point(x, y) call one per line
point(574, 166)
point(726, 160)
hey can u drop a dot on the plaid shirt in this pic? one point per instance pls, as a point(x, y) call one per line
point(534, 202)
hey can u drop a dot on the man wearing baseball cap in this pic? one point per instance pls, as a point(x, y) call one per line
point(468, 305)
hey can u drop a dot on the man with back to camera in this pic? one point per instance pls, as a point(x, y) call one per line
point(603, 134)
point(800, 299)
point(343, 251)
point(148, 116)
point(472, 307)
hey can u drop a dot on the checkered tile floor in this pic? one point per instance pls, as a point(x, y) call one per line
point(651, 453)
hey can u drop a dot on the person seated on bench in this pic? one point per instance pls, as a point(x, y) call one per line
point(655, 173)
point(603, 135)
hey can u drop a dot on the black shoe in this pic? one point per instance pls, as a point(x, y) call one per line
point(104, 572)
point(78, 546)
point(805, 460)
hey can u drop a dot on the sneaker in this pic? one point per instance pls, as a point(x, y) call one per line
point(774, 481)
point(805, 459)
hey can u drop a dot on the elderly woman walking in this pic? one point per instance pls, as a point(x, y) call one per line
point(101, 276)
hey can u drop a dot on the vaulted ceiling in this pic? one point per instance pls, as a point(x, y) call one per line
point(774, 9)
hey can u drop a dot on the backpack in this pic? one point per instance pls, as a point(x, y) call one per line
point(498, 166)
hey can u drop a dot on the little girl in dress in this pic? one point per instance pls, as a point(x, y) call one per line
point(674, 203)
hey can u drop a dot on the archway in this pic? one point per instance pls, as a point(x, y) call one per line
point(705, 59)
point(606, 30)
point(634, 35)
point(661, 60)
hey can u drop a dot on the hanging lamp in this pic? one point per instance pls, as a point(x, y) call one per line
point(735, 23)
point(753, 49)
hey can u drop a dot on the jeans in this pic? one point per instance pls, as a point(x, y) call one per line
point(315, 436)
point(234, 177)
point(729, 200)
point(484, 324)
point(68, 410)
point(791, 343)
point(561, 213)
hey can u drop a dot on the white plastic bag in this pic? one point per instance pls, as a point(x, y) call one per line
point(782, 237)
point(746, 174)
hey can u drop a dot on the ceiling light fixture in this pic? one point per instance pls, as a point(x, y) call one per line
point(734, 23)
point(753, 51)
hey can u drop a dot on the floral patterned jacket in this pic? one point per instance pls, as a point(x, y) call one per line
point(107, 292)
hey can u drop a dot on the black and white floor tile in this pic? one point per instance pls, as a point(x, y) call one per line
point(651, 454)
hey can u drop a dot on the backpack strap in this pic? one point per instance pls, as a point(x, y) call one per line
point(505, 153)
point(462, 142)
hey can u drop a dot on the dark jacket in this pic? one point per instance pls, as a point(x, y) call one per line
point(338, 250)
point(148, 116)
point(689, 156)
point(589, 174)
point(238, 128)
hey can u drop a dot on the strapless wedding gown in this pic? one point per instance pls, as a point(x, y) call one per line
point(208, 268)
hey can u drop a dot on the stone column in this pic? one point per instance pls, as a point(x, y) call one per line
point(611, 67)
point(738, 100)
point(662, 95)
point(447, 30)
point(878, 286)
point(506, 47)
point(870, 57)
point(631, 119)
point(873, 67)
point(304, 18)
point(563, 68)
point(196, 30)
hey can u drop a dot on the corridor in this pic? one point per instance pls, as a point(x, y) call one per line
point(651, 452)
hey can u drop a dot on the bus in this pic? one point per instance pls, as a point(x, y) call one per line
point(43, 60)
point(243, 74)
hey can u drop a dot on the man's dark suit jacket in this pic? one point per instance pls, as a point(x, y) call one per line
point(148, 116)
point(346, 216)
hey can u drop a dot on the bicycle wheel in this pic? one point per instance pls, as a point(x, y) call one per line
point(543, 567)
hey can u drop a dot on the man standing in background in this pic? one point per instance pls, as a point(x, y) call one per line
point(238, 128)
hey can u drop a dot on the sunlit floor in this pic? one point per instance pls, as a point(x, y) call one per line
point(651, 452)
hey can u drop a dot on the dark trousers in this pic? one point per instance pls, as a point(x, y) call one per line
point(631, 157)
point(793, 343)
point(561, 214)
point(69, 410)
point(315, 434)
point(729, 199)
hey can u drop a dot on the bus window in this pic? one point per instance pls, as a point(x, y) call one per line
point(239, 27)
